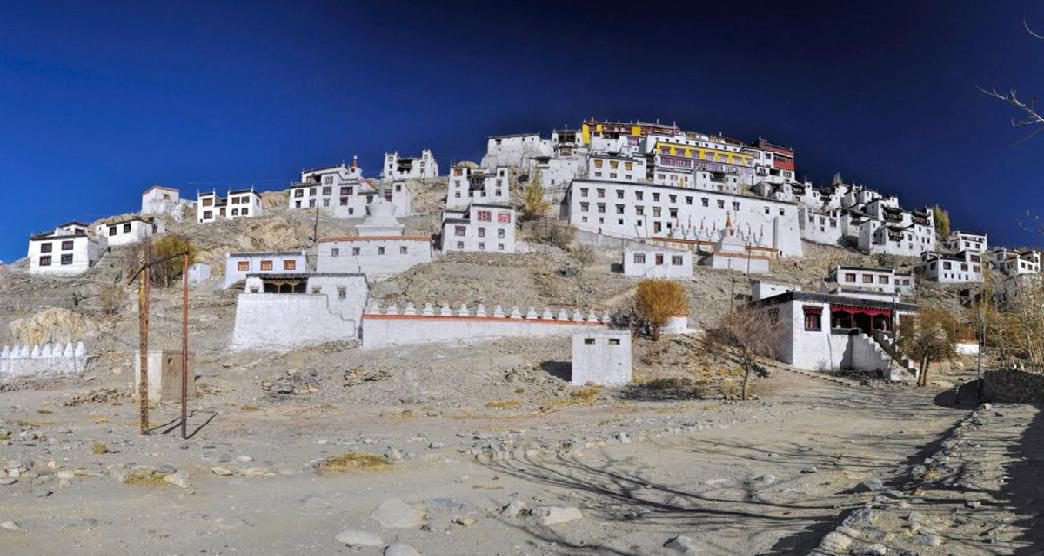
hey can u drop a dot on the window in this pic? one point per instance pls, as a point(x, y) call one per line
point(619, 194)
point(45, 261)
point(45, 247)
point(850, 277)
point(235, 212)
point(402, 250)
point(639, 258)
point(882, 279)
point(289, 265)
point(601, 193)
point(583, 192)
point(721, 203)
point(482, 246)
point(380, 250)
point(208, 201)
point(589, 341)
point(619, 209)
point(676, 260)
point(500, 246)
point(460, 231)
point(327, 190)
point(356, 251)
point(67, 258)
point(460, 245)
point(812, 318)
point(67, 245)
point(705, 201)
point(335, 252)
point(485, 216)
point(112, 230)
point(505, 217)
point(342, 292)
point(327, 179)
point(868, 278)
point(735, 205)
point(207, 215)
point(501, 233)
point(266, 265)
point(614, 341)
point(639, 195)
point(243, 266)
point(659, 258)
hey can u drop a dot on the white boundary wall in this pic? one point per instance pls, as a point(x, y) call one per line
point(429, 325)
point(273, 321)
point(45, 360)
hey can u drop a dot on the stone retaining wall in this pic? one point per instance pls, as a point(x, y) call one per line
point(1013, 386)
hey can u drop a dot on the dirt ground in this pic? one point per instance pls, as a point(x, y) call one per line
point(766, 477)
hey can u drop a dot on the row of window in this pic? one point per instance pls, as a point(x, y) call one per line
point(481, 246)
point(676, 260)
point(672, 198)
point(462, 231)
point(46, 247)
point(266, 265)
point(850, 277)
point(209, 214)
point(357, 251)
point(66, 259)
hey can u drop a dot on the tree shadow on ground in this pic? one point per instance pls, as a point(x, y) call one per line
point(562, 370)
point(621, 491)
point(1025, 490)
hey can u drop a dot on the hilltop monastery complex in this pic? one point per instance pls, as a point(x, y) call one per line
point(672, 198)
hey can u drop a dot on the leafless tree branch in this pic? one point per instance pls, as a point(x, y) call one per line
point(1031, 31)
point(1031, 114)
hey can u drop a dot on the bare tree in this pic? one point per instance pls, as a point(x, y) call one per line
point(748, 334)
point(934, 338)
point(1030, 115)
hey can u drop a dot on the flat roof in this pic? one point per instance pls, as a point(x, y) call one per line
point(833, 299)
point(161, 187)
point(300, 253)
point(374, 238)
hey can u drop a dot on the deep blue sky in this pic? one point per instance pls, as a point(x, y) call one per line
point(99, 100)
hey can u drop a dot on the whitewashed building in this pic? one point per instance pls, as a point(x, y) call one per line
point(238, 203)
point(1015, 262)
point(959, 268)
point(67, 250)
point(515, 150)
point(126, 232)
point(650, 261)
point(239, 265)
point(470, 184)
point(899, 232)
point(158, 200)
point(342, 191)
point(380, 249)
point(480, 227)
point(609, 167)
point(601, 357)
point(861, 280)
point(414, 167)
point(962, 241)
point(642, 210)
point(819, 331)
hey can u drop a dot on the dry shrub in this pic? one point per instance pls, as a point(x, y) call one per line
point(659, 300)
point(586, 395)
point(99, 448)
point(144, 478)
point(354, 461)
point(504, 404)
point(110, 299)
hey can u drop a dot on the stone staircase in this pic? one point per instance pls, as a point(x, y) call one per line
point(886, 341)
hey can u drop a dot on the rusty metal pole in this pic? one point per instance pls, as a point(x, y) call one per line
point(184, 351)
point(143, 338)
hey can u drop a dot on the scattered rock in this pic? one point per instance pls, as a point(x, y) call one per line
point(862, 517)
point(553, 515)
point(512, 509)
point(836, 542)
point(398, 549)
point(396, 514)
point(8, 481)
point(222, 471)
point(870, 485)
point(870, 550)
point(178, 480)
point(358, 537)
point(10, 526)
point(682, 544)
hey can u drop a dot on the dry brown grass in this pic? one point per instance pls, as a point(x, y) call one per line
point(99, 448)
point(249, 407)
point(44, 411)
point(144, 478)
point(504, 404)
point(354, 461)
point(5, 435)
